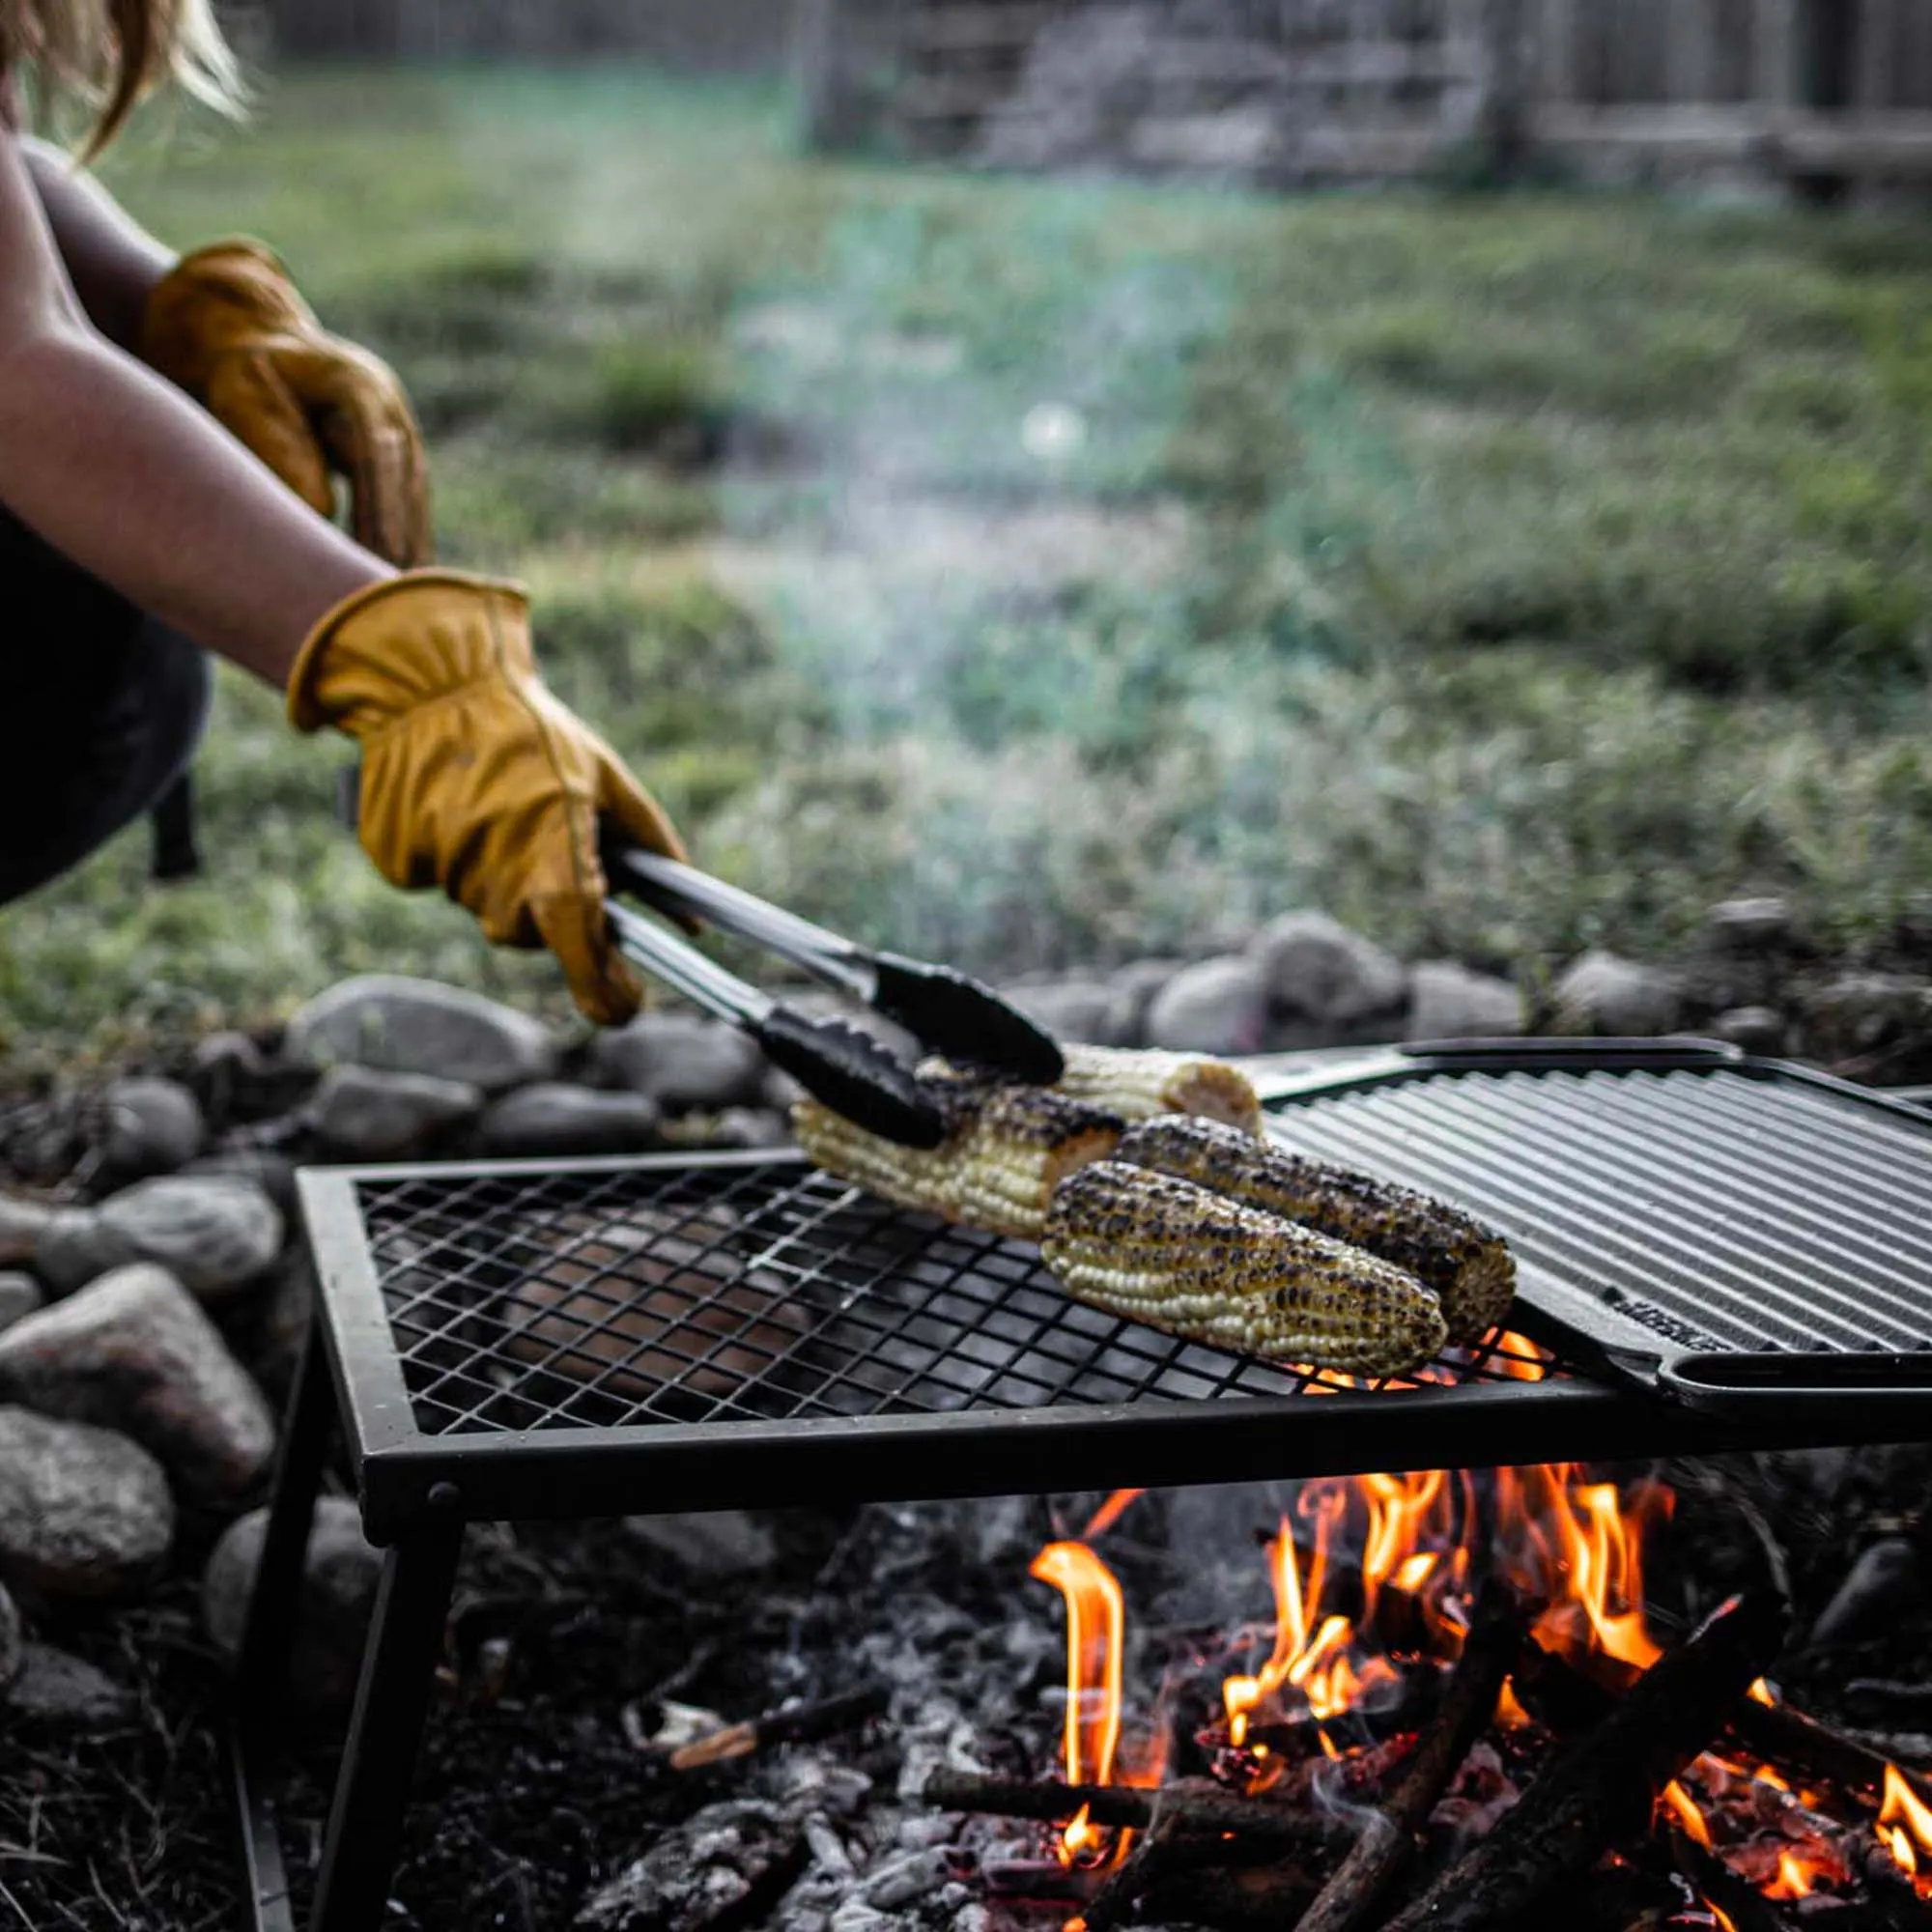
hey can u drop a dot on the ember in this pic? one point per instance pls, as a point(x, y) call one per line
point(1360, 1722)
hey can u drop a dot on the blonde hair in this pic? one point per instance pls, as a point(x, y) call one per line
point(110, 54)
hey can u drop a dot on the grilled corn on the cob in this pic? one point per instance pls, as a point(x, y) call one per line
point(1004, 1151)
point(1158, 1249)
point(1141, 1085)
point(1466, 1264)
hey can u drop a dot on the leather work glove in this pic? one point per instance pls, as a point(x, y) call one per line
point(226, 324)
point(474, 776)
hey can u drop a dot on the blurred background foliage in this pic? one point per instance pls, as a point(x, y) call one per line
point(1038, 572)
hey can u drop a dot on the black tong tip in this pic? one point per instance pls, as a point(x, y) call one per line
point(854, 1075)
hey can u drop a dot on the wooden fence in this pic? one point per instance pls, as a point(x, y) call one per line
point(733, 35)
point(1808, 91)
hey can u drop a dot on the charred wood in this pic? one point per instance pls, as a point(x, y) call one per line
point(792, 1724)
point(1742, 1903)
point(1262, 1899)
point(1796, 1743)
point(1601, 1788)
point(1203, 1808)
point(1387, 1842)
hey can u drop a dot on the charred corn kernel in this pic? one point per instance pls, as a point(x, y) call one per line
point(1466, 1265)
point(1005, 1150)
point(1141, 1086)
point(1162, 1250)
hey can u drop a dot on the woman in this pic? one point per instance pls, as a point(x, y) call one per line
point(168, 434)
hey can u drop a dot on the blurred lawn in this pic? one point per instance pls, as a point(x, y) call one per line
point(1035, 573)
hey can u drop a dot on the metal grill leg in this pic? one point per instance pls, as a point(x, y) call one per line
point(372, 1788)
point(262, 1672)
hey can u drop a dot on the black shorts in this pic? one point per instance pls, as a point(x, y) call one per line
point(100, 711)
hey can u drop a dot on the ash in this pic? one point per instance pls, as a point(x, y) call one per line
point(935, 1604)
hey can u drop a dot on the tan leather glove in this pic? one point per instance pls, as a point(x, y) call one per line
point(475, 778)
point(226, 324)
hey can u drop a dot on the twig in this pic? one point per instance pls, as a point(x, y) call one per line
point(1603, 1788)
point(1387, 1842)
point(1202, 1807)
point(796, 1724)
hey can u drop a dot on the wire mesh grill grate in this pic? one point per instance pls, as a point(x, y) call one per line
point(523, 1299)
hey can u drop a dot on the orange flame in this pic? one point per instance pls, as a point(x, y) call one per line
point(1110, 1513)
point(1095, 1628)
point(1905, 1829)
point(1796, 1878)
point(1678, 1800)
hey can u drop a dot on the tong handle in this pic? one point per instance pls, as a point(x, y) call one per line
point(679, 889)
point(685, 969)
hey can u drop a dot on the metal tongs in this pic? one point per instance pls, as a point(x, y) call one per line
point(833, 1060)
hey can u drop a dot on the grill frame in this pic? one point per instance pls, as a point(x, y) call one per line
point(1607, 1409)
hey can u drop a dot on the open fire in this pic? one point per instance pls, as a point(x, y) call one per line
point(1377, 1582)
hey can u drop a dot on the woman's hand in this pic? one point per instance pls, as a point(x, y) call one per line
point(226, 324)
point(475, 778)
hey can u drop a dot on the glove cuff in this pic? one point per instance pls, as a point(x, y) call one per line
point(207, 295)
point(406, 641)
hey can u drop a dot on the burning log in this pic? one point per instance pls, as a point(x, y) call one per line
point(1794, 1741)
point(1468, 1703)
point(789, 1725)
point(1197, 1807)
point(1742, 1903)
point(1603, 1787)
point(1180, 1872)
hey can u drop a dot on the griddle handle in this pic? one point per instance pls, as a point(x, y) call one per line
point(1740, 1385)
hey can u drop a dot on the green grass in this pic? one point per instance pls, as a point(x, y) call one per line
point(1033, 572)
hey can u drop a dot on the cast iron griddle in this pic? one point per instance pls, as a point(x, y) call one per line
point(1736, 1234)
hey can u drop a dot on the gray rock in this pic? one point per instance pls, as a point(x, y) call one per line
point(358, 1113)
point(1081, 1009)
point(556, 1117)
point(1858, 1012)
point(1755, 1028)
point(1134, 989)
point(1216, 1005)
point(237, 1080)
point(686, 1064)
point(1449, 1002)
point(67, 1693)
point(399, 1025)
point(1604, 994)
point(1749, 926)
point(275, 1173)
point(83, 1512)
point(1880, 1585)
point(11, 1640)
point(713, 1546)
point(1314, 968)
point(154, 1126)
point(134, 1352)
point(20, 1295)
point(216, 1232)
point(340, 1571)
point(22, 1223)
point(747, 1128)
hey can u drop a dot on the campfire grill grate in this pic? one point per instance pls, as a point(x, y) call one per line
point(772, 1293)
point(683, 1332)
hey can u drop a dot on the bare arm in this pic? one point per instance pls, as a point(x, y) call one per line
point(126, 477)
point(111, 260)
